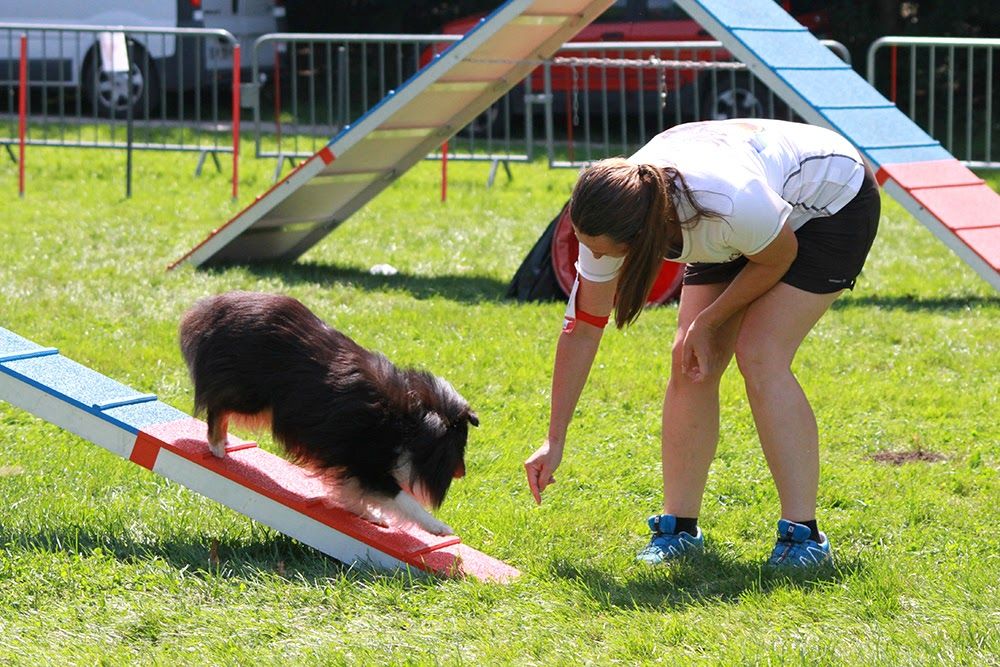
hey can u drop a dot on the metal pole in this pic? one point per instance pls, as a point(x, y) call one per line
point(892, 73)
point(989, 103)
point(22, 112)
point(128, 116)
point(277, 98)
point(549, 124)
point(444, 170)
point(343, 89)
point(236, 120)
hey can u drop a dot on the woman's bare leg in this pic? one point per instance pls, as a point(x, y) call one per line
point(691, 411)
point(772, 329)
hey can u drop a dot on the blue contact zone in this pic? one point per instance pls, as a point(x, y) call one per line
point(81, 387)
point(11, 344)
point(786, 50)
point(835, 88)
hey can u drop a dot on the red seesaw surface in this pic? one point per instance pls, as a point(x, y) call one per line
point(286, 483)
point(956, 197)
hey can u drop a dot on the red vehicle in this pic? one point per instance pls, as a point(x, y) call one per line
point(701, 93)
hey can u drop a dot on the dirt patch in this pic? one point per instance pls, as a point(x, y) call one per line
point(899, 458)
point(11, 471)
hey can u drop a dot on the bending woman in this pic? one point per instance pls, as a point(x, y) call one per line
point(774, 220)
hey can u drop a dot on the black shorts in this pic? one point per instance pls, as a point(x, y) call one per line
point(832, 250)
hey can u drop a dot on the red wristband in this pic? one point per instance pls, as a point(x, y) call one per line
point(593, 320)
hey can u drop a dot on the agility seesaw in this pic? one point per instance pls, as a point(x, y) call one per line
point(261, 485)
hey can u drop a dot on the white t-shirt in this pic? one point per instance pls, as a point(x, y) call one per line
point(756, 174)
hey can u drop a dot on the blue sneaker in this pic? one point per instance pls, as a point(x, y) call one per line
point(667, 544)
point(795, 549)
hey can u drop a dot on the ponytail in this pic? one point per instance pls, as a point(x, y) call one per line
point(646, 249)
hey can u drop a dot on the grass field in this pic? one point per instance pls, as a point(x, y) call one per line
point(102, 562)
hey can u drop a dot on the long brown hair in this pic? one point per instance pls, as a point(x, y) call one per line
point(633, 204)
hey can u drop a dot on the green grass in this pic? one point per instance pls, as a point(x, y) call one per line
point(104, 562)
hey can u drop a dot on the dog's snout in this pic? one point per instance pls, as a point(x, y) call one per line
point(460, 471)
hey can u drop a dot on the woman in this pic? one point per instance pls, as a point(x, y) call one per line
point(774, 220)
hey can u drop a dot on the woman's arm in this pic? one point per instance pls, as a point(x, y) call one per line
point(575, 354)
point(762, 272)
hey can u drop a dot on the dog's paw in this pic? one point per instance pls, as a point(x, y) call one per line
point(218, 449)
point(438, 528)
point(372, 515)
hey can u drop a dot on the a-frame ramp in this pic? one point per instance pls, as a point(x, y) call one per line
point(956, 205)
point(401, 130)
point(249, 480)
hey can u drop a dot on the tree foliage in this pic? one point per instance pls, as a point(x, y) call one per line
point(858, 24)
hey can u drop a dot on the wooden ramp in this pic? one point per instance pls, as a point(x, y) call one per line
point(401, 130)
point(956, 205)
point(249, 480)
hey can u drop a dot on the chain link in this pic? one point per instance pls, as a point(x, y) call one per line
point(652, 61)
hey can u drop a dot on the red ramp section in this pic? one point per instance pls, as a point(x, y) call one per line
point(282, 495)
point(955, 204)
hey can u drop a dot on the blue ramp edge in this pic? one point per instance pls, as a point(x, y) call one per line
point(813, 80)
point(751, 15)
point(878, 128)
point(886, 156)
point(790, 50)
point(13, 346)
point(835, 89)
point(81, 387)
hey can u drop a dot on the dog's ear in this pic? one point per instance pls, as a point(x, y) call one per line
point(435, 425)
point(473, 418)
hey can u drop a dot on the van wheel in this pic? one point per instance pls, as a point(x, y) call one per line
point(111, 93)
point(732, 98)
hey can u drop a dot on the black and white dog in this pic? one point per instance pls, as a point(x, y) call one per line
point(389, 440)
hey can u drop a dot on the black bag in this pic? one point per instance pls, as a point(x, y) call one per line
point(535, 279)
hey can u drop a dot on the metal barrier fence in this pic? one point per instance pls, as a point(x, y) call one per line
point(120, 87)
point(608, 98)
point(945, 85)
point(591, 99)
point(326, 81)
point(173, 89)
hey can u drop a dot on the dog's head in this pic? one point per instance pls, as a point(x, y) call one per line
point(436, 451)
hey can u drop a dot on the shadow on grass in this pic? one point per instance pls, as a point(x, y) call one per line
point(913, 303)
point(708, 578)
point(263, 554)
point(464, 289)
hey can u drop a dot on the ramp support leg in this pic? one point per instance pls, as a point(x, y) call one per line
point(493, 172)
point(201, 162)
point(280, 164)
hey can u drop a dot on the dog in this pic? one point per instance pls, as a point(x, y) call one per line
point(389, 441)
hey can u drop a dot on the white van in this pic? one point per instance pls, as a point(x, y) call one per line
point(159, 62)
